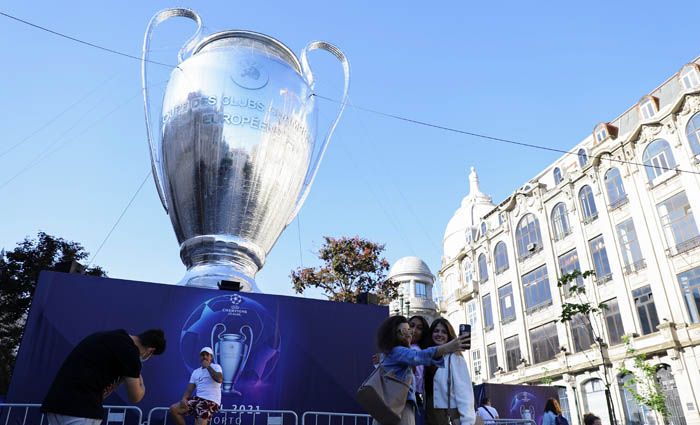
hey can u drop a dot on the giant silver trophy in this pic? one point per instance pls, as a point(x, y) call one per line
point(234, 149)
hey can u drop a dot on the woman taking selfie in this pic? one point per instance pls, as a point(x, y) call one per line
point(394, 340)
point(449, 392)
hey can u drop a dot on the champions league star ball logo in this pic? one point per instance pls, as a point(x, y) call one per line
point(523, 405)
point(250, 75)
point(243, 335)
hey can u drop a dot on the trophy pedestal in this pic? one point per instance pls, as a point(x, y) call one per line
point(213, 258)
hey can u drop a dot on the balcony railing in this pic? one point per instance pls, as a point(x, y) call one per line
point(501, 269)
point(561, 236)
point(590, 219)
point(529, 254)
point(635, 267)
point(600, 280)
point(466, 291)
point(618, 203)
point(684, 246)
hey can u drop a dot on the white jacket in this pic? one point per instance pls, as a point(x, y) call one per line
point(462, 393)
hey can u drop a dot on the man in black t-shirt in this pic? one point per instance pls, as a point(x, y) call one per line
point(95, 368)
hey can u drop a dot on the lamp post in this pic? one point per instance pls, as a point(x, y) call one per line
point(408, 308)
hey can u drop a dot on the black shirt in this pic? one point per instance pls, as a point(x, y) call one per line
point(95, 368)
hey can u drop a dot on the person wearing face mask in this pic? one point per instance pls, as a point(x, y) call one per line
point(449, 392)
point(207, 381)
point(94, 369)
point(393, 340)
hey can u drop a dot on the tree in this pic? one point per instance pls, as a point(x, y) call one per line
point(19, 272)
point(584, 308)
point(350, 266)
point(643, 385)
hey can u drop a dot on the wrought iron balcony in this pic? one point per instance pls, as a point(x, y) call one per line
point(635, 267)
point(618, 203)
point(603, 279)
point(684, 246)
point(590, 219)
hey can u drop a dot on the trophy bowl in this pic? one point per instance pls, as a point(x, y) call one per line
point(235, 148)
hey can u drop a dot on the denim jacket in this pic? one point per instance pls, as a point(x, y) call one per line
point(400, 360)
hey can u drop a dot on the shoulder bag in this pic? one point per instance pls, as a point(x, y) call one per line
point(384, 395)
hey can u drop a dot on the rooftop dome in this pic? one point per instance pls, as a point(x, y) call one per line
point(474, 206)
point(410, 265)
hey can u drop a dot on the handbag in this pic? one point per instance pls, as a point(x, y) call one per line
point(383, 395)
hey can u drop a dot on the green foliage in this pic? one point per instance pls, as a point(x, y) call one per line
point(350, 266)
point(570, 310)
point(643, 385)
point(19, 272)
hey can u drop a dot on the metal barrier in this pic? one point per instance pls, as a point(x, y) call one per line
point(160, 416)
point(509, 422)
point(30, 414)
point(332, 418)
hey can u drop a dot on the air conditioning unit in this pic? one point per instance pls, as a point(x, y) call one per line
point(531, 246)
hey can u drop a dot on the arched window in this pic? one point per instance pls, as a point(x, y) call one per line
point(528, 236)
point(501, 256)
point(560, 221)
point(483, 269)
point(585, 197)
point(615, 188)
point(484, 227)
point(658, 159)
point(692, 131)
point(582, 157)
point(635, 413)
point(557, 175)
point(667, 382)
point(468, 272)
point(594, 398)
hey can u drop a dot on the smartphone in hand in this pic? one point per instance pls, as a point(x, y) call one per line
point(465, 328)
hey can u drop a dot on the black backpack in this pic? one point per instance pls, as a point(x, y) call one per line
point(560, 420)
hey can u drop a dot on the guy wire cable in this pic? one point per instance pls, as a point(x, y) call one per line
point(374, 111)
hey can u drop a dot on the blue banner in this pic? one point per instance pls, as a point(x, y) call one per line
point(516, 401)
point(277, 352)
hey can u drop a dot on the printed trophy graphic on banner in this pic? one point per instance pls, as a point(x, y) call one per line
point(523, 405)
point(231, 351)
point(245, 337)
point(233, 144)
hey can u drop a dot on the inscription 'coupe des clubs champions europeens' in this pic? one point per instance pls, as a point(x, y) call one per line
point(233, 146)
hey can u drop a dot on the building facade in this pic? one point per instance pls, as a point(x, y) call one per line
point(624, 205)
point(415, 290)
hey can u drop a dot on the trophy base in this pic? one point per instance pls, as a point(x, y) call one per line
point(210, 275)
point(229, 389)
point(211, 259)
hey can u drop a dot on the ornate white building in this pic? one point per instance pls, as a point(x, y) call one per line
point(623, 207)
point(416, 290)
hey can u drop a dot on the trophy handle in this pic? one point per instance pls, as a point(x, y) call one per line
point(151, 125)
point(216, 346)
point(249, 340)
point(306, 69)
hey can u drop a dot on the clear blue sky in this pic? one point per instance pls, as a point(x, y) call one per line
point(534, 72)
